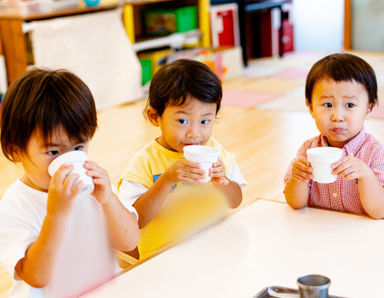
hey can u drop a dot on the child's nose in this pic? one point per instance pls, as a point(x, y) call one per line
point(337, 114)
point(193, 132)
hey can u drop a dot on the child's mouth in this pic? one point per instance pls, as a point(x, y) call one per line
point(338, 130)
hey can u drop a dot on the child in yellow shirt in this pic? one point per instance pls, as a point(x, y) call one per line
point(184, 99)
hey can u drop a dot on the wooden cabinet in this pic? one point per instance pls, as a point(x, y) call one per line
point(13, 38)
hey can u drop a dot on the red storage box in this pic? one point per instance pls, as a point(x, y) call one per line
point(225, 25)
point(288, 41)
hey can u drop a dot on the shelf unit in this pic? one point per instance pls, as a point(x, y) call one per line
point(14, 43)
point(133, 23)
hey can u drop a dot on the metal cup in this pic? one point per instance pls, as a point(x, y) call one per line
point(313, 286)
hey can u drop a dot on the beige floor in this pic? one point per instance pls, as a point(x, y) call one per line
point(263, 141)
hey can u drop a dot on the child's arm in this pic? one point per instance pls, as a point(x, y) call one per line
point(36, 266)
point(370, 190)
point(296, 190)
point(231, 189)
point(122, 224)
point(149, 204)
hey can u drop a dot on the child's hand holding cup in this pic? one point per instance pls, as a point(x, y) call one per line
point(77, 159)
point(205, 156)
point(321, 159)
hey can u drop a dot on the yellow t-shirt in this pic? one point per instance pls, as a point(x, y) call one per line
point(187, 209)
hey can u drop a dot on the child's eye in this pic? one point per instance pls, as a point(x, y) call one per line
point(182, 121)
point(327, 105)
point(53, 153)
point(204, 122)
point(79, 148)
point(349, 105)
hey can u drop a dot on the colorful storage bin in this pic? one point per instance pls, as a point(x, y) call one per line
point(167, 21)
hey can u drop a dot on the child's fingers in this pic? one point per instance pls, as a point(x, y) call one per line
point(77, 189)
point(189, 179)
point(69, 182)
point(217, 164)
point(217, 167)
point(304, 166)
point(191, 175)
point(302, 174)
point(91, 165)
point(216, 174)
point(351, 176)
point(341, 161)
point(341, 168)
point(197, 171)
point(190, 164)
point(96, 173)
point(62, 173)
point(302, 171)
point(100, 181)
point(220, 180)
point(300, 178)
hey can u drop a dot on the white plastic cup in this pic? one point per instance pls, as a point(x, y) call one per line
point(77, 159)
point(321, 159)
point(204, 155)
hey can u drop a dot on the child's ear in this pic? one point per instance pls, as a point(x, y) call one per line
point(370, 107)
point(16, 155)
point(153, 117)
point(309, 105)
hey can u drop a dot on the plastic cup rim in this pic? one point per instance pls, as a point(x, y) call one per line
point(329, 154)
point(70, 156)
point(210, 155)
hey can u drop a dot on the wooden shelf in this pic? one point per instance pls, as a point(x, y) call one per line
point(32, 16)
point(174, 40)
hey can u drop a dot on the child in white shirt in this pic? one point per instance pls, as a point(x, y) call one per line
point(54, 241)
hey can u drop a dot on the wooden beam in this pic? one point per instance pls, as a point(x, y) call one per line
point(14, 46)
point(347, 24)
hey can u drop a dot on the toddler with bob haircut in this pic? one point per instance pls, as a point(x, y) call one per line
point(184, 98)
point(341, 90)
point(54, 240)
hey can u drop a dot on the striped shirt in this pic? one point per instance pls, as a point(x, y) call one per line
point(343, 195)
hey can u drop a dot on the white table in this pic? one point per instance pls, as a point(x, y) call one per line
point(262, 245)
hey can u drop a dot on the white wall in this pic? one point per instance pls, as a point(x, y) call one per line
point(318, 25)
point(367, 25)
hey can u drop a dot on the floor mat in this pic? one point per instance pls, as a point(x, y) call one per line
point(245, 98)
point(278, 83)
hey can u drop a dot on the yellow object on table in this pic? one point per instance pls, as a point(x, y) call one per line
point(187, 210)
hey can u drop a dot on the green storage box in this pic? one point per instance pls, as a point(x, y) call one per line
point(167, 21)
point(146, 70)
point(186, 18)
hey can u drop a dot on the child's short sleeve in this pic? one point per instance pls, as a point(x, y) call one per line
point(17, 233)
point(138, 170)
point(235, 175)
point(126, 203)
point(377, 163)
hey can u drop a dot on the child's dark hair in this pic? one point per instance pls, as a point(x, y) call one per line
point(174, 83)
point(45, 99)
point(343, 67)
